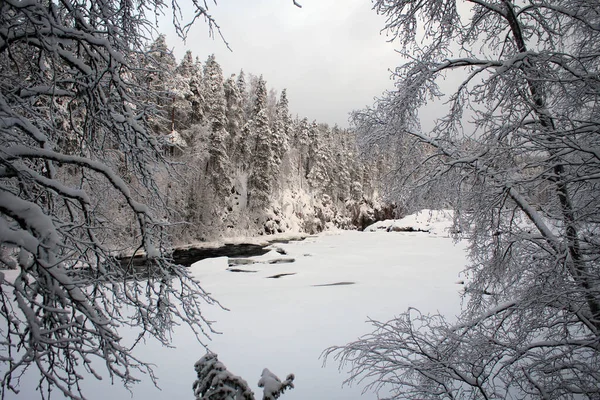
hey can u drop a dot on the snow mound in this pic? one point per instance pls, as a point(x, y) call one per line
point(435, 222)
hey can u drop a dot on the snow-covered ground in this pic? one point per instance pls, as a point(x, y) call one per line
point(336, 281)
point(435, 222)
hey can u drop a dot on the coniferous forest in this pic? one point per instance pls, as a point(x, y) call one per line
point(248, 165)
point(110, 145)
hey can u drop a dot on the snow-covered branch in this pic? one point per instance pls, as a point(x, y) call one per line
point(512, 151)
point(215, 382)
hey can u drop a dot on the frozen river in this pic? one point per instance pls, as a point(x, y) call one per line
point(327, 288)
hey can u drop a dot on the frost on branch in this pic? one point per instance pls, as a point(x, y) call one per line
point(215, 382)
point(77, 164)
point(514, 150)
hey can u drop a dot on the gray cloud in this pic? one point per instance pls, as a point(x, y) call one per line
point(329, 55)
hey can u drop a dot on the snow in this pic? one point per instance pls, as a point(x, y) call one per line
point(174, 139)
point(435, 222)
point(339, 281)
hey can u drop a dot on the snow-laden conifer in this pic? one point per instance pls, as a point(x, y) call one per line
point(281, 127)
point(219, 165)
point(215, 382)
point(235, 111)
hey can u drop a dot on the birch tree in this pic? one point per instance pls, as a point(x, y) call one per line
point(68, 71)
point(519, 144)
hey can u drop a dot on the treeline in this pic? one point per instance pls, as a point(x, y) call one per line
point(244, 164)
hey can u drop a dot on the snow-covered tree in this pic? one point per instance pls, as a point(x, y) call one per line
point(219, 165)
point(68, 70)
point(263, 157)
point(215, 382)
point(160, 65)
point(214, 94)
point(312, 148)
point(342, 163)
point(245, 147)
point(181, 91)
point(263, 163)
point(241, 84)
point(252, 86)
point(259, 100)
point(197, 88)
point(320, 158)
point(522, 120)
point(187, 66)
point(158, 77)
point(301, 135)
point(299, 144)
point(282, 127)
point(235, 111)
point(272, 105)
point(272, 386)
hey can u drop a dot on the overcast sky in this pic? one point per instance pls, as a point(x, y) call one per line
point(329, 54)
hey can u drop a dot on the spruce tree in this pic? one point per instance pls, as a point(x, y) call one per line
point(313, 147)
point(197, 89)
point(181, 106)
point(300, 143)
point(219, 166)
point(241, 84)
point(235, 112)
point(215, 107)
point(158, 77)
point(263, 159)
point(321, 168)
point(187, 65)
point(245, 147)
point(342, 163)
point(281, 127)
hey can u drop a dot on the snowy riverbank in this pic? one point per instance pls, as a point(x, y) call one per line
point(287, 308)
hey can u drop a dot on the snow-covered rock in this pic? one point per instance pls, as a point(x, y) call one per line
point(436, 222)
